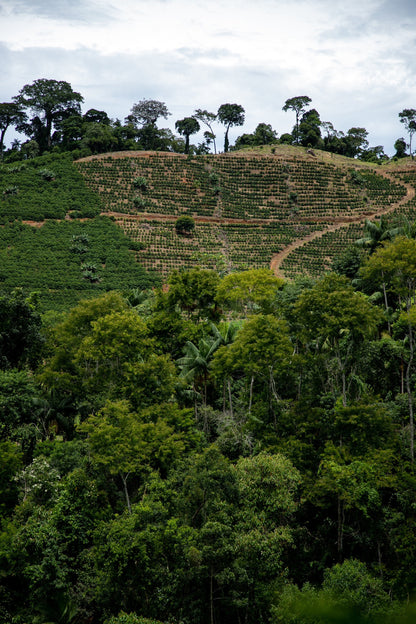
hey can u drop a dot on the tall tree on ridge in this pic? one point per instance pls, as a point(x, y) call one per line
point(186, 127)
point(408, 118)
point(54, 99)
point(207, 118)
point(299, 105)
point(230, 115)
point(10, 113)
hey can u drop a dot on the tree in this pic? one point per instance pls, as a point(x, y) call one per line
point(149, 111)
point(230, 115)
point(96, 116)
point(400, 147)
point(309, 133)
point(53, 99)
point(376, 232)
point(127, 445)
point(262, 135)
point(184, 225)
point(194, 365)
point(394, 267)
point(207, 118)
point(298, 104)
point(333, 314)
point(262, 351)
point(194, 291)
point(10, 113)
point(20, 338)
point(408, 118)
point(98, 137)
point(186, 127)
point(247, 291)
point(355, 141)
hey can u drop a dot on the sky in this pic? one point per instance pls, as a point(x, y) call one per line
point(355, 59)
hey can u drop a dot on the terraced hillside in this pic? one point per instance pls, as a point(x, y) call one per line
point(53, 240)
point(293, 211)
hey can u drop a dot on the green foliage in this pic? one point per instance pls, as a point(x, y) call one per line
point(131, 618)
point(20, 338)
point(249, 291)
point(158, 467)
point(10, 463)
point(140, 183)
point(194, 291)
point(43, 192)
point(49, 259)
point(184, 225)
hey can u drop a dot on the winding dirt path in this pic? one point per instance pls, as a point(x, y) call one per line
point(278, 259)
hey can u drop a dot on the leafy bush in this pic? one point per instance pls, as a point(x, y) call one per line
point(140, 183)
point(47, 174)
point(184, 225)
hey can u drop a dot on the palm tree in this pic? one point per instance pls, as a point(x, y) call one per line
point(194, 365)
point(376, 233)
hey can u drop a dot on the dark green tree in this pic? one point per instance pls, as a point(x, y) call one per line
point(298, 104)
point(400, 147)
point(10, 114)
point(355, 141)
point(194, 291)
point(53, 99)
point(185, 225)
point(207, 118)
point(230, 115)
point(186, 127)
point(309, 129)
point(20, 337)
point(408, 118)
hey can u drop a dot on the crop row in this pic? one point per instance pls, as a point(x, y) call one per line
point(236, 187)
point(316, 256)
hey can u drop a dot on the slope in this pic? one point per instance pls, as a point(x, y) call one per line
point(250, 208)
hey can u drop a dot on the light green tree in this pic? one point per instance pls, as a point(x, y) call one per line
point(249, 291)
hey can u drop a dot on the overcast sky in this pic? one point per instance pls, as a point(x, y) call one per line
point(356, 59)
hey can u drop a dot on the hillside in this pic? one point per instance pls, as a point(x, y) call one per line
point(292, 209)
point(53, 239)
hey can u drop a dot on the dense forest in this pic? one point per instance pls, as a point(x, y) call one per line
point(236, 449)
point(182, 444)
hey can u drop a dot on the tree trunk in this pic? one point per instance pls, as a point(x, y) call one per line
point(341, 520)
point(230, 397)
point(409, 392)
point(3, 132)
point(211, 597)
point(49, 128)
point(126, 492)
point(251, 394)
point(386, 303)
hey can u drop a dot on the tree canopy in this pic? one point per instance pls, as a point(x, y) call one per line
point(53, 99)
point(230, 115)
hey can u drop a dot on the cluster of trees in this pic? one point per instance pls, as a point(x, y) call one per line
point(354, 143)
point(225, 450)
point(57, 123)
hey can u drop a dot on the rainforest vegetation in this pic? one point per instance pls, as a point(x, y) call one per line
point(182, 444)
point(231, 449)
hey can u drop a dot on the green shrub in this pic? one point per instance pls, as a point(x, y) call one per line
point(140, 183)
